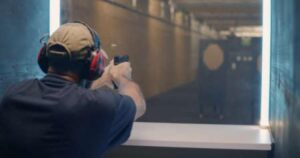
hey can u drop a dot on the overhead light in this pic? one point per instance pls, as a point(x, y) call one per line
point(54, 22)
point(134, 3)
point(225, 33)
point(248, 34)
point(248, 29)
point(265, 80)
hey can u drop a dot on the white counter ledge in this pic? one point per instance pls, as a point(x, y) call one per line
point(202, 136)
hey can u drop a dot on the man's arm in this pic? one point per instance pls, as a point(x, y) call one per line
point(121, 75)
point(130, 88)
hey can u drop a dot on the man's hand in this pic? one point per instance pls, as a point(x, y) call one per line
point(104, 80)
point(120, 71)
point(113, 73)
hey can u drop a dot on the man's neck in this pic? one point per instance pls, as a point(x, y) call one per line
point(67, 76)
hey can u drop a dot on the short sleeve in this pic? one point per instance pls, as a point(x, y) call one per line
point(122, 123)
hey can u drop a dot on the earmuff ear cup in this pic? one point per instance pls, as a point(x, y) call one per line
point(42, 59)
point(97, 66)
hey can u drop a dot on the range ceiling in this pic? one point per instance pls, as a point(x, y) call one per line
point(223, 14)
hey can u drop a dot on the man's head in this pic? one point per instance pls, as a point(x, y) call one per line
point(74, 48)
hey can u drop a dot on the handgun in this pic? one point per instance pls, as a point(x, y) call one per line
point(118, 60)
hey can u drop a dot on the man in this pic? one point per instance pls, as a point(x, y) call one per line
point(55, 117)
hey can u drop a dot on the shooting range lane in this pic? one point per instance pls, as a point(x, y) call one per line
point(201, 136)
point(163, 56)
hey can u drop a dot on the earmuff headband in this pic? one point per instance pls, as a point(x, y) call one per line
point(95, 36)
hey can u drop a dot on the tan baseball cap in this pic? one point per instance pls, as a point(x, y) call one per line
point(74, 37)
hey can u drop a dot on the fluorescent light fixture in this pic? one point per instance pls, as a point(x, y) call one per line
point(248, 34)
point(54, 15)
point(225, 33)
point(265, 80)
point(247, 29)
point(134, 3)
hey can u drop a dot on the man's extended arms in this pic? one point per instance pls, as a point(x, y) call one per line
point(121, 75)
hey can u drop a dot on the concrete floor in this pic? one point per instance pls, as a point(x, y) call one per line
point(181, 105)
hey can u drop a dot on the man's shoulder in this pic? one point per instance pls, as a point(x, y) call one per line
point(13, 88)
point(24, 83)
point(111, 98)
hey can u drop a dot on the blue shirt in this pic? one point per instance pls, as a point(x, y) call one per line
point(56, 118)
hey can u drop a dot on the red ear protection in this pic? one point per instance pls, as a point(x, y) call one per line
point(95, 59)
point(97, 65)
point(42, 59)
